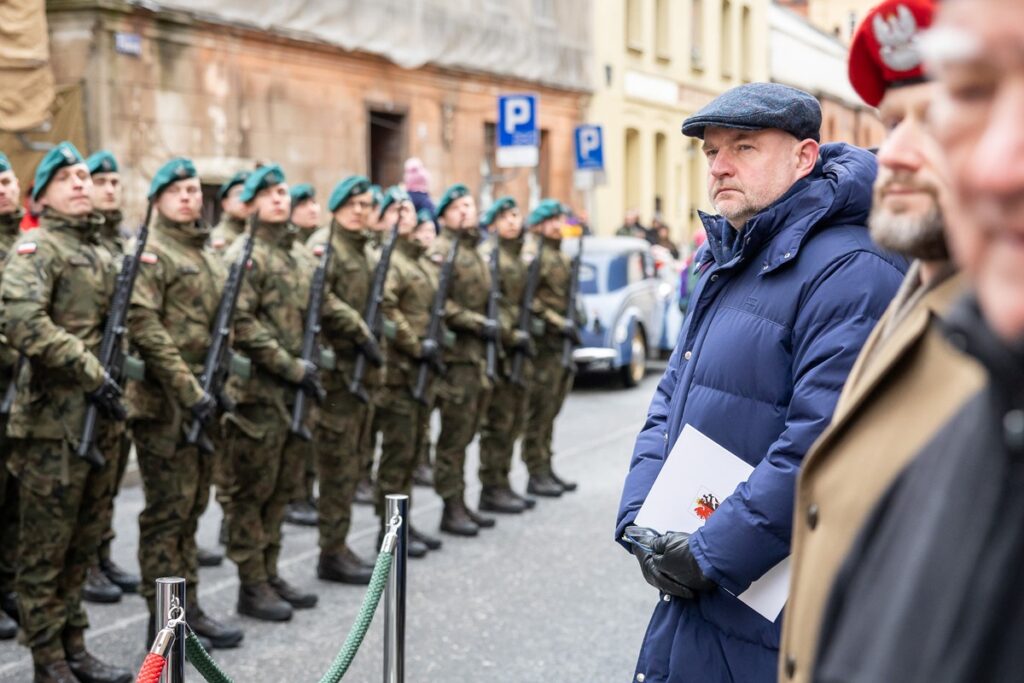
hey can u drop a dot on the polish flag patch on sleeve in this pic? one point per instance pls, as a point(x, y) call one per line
point(149, 257)
point(318, 250)
point(26, 248)
point(218, 243)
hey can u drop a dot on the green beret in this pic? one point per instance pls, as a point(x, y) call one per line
point(548, 208)
point(237, 179)
point(378, 195)
point(497, 208)
point(301, 193)
point(456, 191)
point(261, 179)
point(178, 168)
point(424, 216)
point(394, 194)
point(5, 163)
point(64, 154)
point(346, 189)
point(102, 162)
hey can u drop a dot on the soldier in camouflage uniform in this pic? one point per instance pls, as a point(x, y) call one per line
point(408, 297)
point(10, 218)
point(306, 216)
point(342, 415)
point(56, 290)
point(463, 393)
point(551, 382)
point(106, 581)
point(503, 422)
point(268, 327)
point(172, 309)
point(423, 475)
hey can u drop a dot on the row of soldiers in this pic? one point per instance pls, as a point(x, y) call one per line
point(370, 332)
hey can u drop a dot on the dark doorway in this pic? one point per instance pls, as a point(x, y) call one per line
point(211, 204)
point(387, 148)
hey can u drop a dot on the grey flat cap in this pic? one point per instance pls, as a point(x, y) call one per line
point(756, 106)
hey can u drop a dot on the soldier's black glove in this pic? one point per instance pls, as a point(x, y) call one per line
point(430, 352)
point(107, 398)
point(572, 331)
point(371, 350)
point(491, 330)
point(205, 410)
point(521, 341)
point(310, 382)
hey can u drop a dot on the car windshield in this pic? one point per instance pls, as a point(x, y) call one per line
point(601, 273)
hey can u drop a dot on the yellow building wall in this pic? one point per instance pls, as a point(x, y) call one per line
point(839, 17)
point(657, 62)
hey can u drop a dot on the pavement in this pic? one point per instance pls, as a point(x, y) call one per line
point(546, 595)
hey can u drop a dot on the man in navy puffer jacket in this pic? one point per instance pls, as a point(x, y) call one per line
point(790, 286)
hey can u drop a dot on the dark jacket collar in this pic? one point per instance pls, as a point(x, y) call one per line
point(356, 238)
point(193, 233)
point(409, 247)
point(87, 226)
point(10, 223)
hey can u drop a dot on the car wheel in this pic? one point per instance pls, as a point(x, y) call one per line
point(634, 372)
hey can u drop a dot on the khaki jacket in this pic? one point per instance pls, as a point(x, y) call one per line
point(901, 390)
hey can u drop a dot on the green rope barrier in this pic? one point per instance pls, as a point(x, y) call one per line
point(200, 659)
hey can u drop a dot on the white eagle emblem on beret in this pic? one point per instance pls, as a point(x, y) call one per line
point(897, 36)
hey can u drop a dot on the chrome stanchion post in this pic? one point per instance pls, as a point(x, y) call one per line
point(394, 595)
point(170, 604)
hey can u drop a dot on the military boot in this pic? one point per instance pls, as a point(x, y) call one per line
point(98, 588)
point(260, 601)
point(221, 636)
point(455, 519)
point(566, 485)
point(292, 595)
point(528, 503)
point(88, 669)
point(8, 626)
point(54, 672)
point(126, 581)
point(544, 486)
point(481, 521)
point(343, 567)
point(301, 513)
point(208, 558)
point(500, 499)
point(9, 604)
point(426, 539)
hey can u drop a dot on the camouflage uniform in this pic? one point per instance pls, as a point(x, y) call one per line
point(408, 299)
point(56, 291)
point(268, 328)
point(8, 484)
point(226, 232)
point(173, 305)
point(343, 418)
point(550, 383)
point(464, 392)
point(110, 237)
point(506, 413)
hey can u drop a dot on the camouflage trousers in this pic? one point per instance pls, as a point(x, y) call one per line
point(402, 419)
point(305, 455)
point(368, 436)
point(62, 499)
point(8, 524)
point(342, 422)
point(463, 397)
point(423, 444)
point(549, 386)
point(266, 475)
point(120, 454)
point(176, 480)
point(502, 425)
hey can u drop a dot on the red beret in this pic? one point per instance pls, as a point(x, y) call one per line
point(884, 51)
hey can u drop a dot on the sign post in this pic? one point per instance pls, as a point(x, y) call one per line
point(589, 174)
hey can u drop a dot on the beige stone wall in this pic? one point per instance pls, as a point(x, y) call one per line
point(228, 96)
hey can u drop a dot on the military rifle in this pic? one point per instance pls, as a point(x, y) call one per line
point(435, 328)
point(570, 306)
point(12, 389)
point(493, 300)
point(526, 312)
point(113, 337)
point(372, 314)
point(216, 365)
point(310, 351)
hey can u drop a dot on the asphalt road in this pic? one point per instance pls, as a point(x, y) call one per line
point(543, 596)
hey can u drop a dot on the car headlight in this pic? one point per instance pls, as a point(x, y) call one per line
point(622, 331)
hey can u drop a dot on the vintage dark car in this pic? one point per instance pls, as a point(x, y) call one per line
point(627, 306)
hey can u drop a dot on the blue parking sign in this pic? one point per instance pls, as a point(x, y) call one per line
point(589, 148)
point(518, 134)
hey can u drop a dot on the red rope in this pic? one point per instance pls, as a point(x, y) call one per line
point(151, 669)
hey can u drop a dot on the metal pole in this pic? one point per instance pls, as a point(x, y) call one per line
point(394, 596)
point(170, 595)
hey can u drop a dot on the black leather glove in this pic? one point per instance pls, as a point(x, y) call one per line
point(658, 580)
point(310, 382)
point(674, 560)
point(572, 331)
point(107, 398)
point(430, 352)
point(491, 330)
point(521, 341)
point(371, 350)
point(205, 410)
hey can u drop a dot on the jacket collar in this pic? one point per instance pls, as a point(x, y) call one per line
point(194, 233)
point(513, 247)
point(356, 238)
point(10, 223)
point(968, 330)
point(235, 225)
point(87, 227)
point(408, 247)
point(278, 234)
